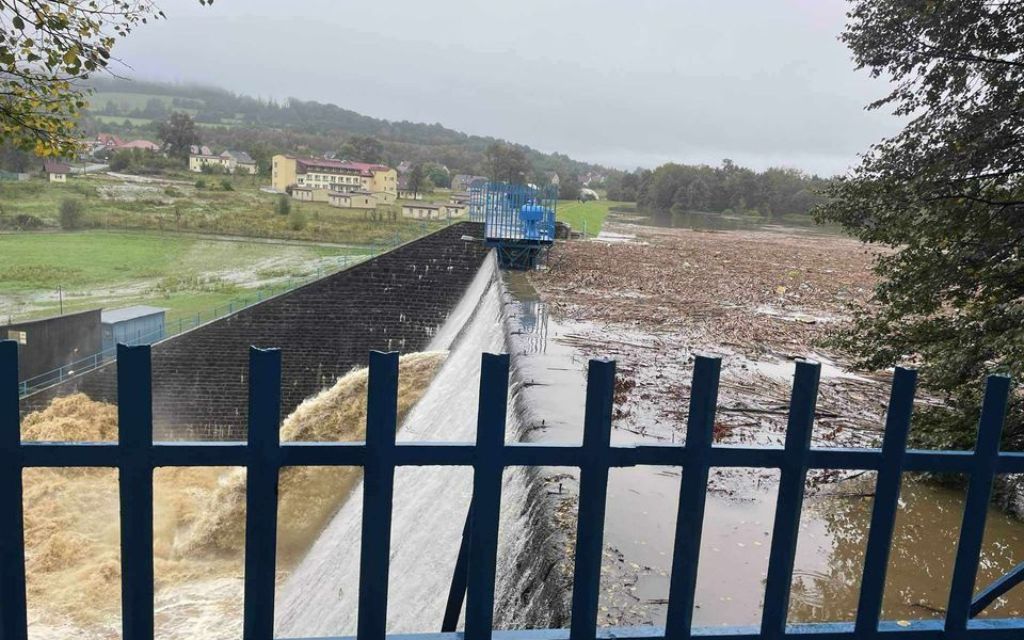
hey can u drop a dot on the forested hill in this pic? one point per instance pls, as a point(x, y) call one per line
point(249, 123)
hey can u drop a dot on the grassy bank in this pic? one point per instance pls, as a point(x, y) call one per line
point(586, 216)
point(186, 274)
point(199, 203)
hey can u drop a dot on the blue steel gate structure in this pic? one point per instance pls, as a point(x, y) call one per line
point(135, 455)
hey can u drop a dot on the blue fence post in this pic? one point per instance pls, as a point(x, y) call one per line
point(135, 441)
point(979, 493)
point(261, 492)
point(593, 497)
point(487, 472)
point(790, 500)
point(700, 427)
point(887, 497)
point(378, 492)
point(13, 613)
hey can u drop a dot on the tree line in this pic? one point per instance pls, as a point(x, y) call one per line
point(264, 127)
point(728, 188)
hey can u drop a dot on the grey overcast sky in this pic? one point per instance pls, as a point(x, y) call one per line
point(625, 83)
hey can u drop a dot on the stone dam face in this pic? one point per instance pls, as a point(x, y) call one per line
point(394, 302)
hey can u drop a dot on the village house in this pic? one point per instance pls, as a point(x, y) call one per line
point(237, 162)
point(145, 145)
point(422, 211)
point(352, 199)
point(56, 171)
point(463, 182)
point(334, 175)
point(405, 192)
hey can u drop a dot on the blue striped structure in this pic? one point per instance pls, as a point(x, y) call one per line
point(136, 456)
point(519, 221)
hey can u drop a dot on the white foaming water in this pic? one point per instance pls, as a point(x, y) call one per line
point(321, 596)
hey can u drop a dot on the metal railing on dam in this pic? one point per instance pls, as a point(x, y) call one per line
point(136, 456)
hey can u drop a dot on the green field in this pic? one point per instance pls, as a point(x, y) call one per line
point(129, 101)
point(135, 122)
point(586, 217)
point(179, 205)
point(186, 274)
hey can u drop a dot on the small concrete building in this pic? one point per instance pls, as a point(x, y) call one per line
point(352, 199)
point(49, 343)
point(405, 194)
point(57, 171)
point(422, 211)
point(304, 194)
point(452, 210)
point(140, 324)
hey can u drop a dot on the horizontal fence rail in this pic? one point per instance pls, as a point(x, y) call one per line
point(136, 456)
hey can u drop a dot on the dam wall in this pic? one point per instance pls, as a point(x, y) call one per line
point(394, 302)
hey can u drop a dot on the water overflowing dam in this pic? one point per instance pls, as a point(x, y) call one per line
point(320, 597)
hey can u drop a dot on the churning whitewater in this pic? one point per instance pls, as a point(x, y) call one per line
point(320, 597)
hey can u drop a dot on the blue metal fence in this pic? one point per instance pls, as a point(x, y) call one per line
point(136, 456)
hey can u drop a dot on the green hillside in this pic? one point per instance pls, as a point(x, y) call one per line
point(134, 109)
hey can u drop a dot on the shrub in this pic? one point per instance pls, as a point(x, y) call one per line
point(226, 185)
point(172, 192)
point(297, 220)
point(72, 214)
point(200, 184)
point(283, 205)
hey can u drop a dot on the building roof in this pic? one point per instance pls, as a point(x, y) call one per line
point(56, 166)
point(109, 138)
point(113, 316)
point(354, 192)
point(140, 144)
point(422, 205)
point(363, 168)
point(240, 156)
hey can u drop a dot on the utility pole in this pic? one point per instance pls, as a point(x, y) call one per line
point(60, 298)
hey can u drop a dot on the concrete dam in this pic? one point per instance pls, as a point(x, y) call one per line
point(441, 293)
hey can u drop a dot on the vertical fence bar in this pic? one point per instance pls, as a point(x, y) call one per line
point(261, 492)
point(13, 616)
point(700, 427)
point(460, 576)
point(979, 493)
point(790, 500)
point(135, 480)
point(378, 492)
point(887, 496)
point(487, 473)
point(593, 497)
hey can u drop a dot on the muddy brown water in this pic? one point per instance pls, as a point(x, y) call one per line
point(722, 222)
point(641, 515)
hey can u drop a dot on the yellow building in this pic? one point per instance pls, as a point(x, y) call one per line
point(352, 199)
point(335, 175)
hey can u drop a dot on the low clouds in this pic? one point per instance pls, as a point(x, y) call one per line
point(764, 82)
